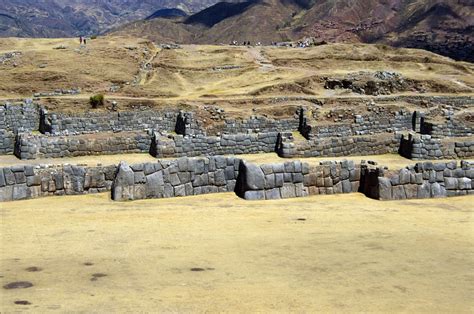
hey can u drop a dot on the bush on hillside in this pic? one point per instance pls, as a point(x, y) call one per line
point(97, 101)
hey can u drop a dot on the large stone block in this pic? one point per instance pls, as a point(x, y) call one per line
point(253, 176)
point(272, 194)
point(174, 179)
point(288, 190)
point(254, 195)
point(279, 179)
point(385, 188)
point(123, 183)
point(184, 177)
point(424, 190)
point(411, 191)
point(154, 185)
point(451, 183)
point(33, 180)
point(464, 183)
point(404, 176)
point(267, 169)
point(297, 177)
point(219, 177)
point(437, 190)
point(6, 193)
point(354, 174)
point(9, 176)
point(2, 179)
point(180, 190)
point(20, 192)
point(398, 192)
point(168, 190)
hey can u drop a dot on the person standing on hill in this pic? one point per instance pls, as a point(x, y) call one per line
point(85, 43)
point(80, 40)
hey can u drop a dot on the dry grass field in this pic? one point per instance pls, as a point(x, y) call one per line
point(235, 78)
point(392, 161)
point(218, 253)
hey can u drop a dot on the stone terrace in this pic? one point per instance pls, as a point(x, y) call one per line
point(31, 132)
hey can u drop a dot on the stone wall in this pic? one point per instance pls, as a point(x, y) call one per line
point(258, 124)
point(172, 145)
point(19, 117)
point(288, 147)
point(296, 179)
point(26, 182)
point(388, 122)
point(172, 178)
point(424, 180)
point(451, 128)
point(193, 176)
point(415, 146)
point(61, 123)
point(7, 142)
point(29, 146)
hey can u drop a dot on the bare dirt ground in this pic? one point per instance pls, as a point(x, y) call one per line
point(218, 253)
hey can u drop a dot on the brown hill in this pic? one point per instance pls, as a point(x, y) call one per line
point(445, 27)
point(65, 18)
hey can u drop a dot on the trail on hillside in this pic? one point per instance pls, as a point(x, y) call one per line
point(259, 58)
point(146, 73)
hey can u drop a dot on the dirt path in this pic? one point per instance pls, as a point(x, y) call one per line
point(259, 58)
point(146, 73)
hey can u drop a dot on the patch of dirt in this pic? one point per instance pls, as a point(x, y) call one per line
point(22, 302)
point(33, 269)
point(18, 285)
point(96, 276)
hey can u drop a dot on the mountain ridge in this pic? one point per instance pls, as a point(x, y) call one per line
point(66, 18)
point(444, 27)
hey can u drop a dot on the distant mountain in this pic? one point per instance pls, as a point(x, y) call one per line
point(62, 18)
point(167, 13)
point(442, 26)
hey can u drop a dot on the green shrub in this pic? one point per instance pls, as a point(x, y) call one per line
point(97, 101)
point(93, 37)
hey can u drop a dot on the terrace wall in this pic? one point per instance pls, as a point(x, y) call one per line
point(19, 118)
point(337, 146)
point(415, 146)
point(7, 142)
point(181, 177)
point(193, 176)
point(296, 179)
point(26, 182)
point(62, 123)
point(29, 146)
point(388, 122)
point(424, 180)
point(201, 145)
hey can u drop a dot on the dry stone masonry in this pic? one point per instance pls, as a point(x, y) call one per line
point(416, 146)
point(27, 182)
point(29, 146)
point(424, 180)
point(204, 154)
point(296, 179)
point(181, 177)
point(217, 174)
point(172, 145)
point(179, 133)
